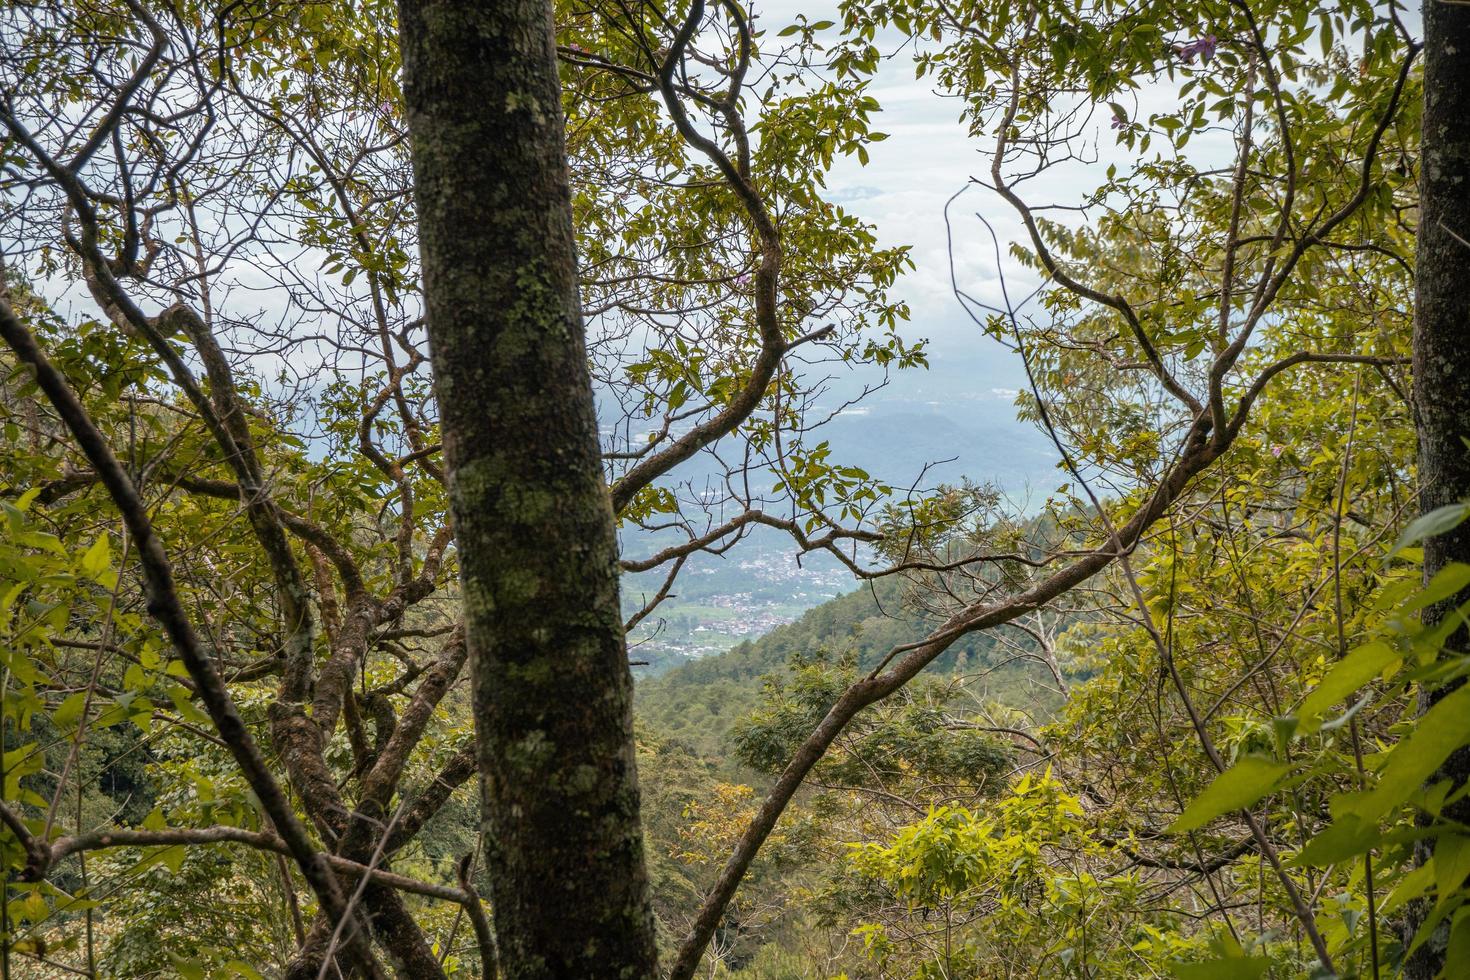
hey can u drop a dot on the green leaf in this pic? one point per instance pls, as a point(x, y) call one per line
point(1345, 838)
point(1348, 715)
point(171, 857)
point(1457, 955)
point(1428, 927)
point(42, 540)
point(19, 762)
point(1243, 968)
point(1284, 729)
point(1236, 788)
point(188, 969)
point(1451, 865)
point(1441, 730)
point(1347, 676)
point(20, 664)
point(66, 714)
point(114, 714)
point(97, 562)
point(1437, 521)
point(1446, 582)
point(186, 707)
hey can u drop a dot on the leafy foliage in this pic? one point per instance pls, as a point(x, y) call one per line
point(1170, 724)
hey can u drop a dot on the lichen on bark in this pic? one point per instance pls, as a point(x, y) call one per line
point(533, 520)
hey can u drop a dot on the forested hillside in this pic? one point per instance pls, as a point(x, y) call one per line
point(383, 382)
point(698, 702)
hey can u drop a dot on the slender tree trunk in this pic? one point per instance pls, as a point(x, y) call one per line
point(533, 521)
point(1442, 345)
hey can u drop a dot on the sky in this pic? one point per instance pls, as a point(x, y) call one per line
point(903, 190)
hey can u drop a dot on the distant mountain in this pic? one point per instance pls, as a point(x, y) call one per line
point(895, 441)
point(962, 408)
point(722, 600)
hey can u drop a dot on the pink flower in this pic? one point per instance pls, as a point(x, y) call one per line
point(1277, 451)
point(1204, 47)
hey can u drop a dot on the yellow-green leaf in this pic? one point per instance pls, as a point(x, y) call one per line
point(1236, 788)
point(1347, 676)
point(1442, 729)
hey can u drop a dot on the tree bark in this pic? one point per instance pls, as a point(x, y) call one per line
point(1442, 351)
point(534, 525)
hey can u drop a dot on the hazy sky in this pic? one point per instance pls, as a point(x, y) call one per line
point(902, 190)
point(927, 158)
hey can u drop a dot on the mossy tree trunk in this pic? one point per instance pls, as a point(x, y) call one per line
point(1442, 347)
point(533, 522)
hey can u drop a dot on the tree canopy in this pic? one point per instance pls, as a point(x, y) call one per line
point(353, 351)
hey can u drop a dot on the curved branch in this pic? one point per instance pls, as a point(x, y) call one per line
point(484, 938)
point(766, 284)
point(103, 839)
point(1199, 453)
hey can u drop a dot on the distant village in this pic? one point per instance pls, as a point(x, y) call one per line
point(721, 603)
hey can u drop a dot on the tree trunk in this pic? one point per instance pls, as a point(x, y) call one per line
point(533, 522)
point(1442, 346)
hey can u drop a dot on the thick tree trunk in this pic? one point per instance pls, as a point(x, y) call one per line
point(1442, 341)
point(533, 522)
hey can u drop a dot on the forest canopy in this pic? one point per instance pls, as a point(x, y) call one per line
point(354, 353)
